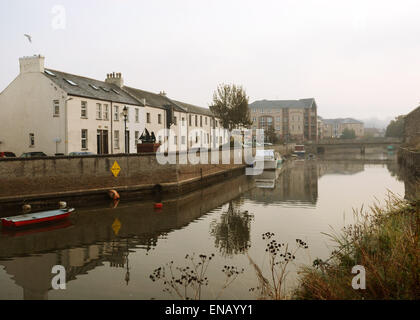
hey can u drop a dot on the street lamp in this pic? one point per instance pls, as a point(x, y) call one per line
point(125, 114)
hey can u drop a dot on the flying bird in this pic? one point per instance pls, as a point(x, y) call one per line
point(29, 37)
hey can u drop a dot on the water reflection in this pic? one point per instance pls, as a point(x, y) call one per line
point(232, 231)
point(226, 217)
point(94, 239)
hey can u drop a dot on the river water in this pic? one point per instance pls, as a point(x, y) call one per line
point(110, 251)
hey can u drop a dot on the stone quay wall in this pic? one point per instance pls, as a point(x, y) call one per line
point(43, 177)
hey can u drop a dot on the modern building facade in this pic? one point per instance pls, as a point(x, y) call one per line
point(58, 113)
point(292, 120)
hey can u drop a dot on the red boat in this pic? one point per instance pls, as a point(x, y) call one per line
point(36, 218)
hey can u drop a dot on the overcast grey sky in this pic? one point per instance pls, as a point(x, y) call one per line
point(356, 58)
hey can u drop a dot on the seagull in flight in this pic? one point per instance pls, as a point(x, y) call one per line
point(29, 37)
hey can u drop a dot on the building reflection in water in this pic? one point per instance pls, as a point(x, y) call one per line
point(93, 239)
point(298, 183)
point(411, 184)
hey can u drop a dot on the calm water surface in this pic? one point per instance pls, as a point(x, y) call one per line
point(109, 253)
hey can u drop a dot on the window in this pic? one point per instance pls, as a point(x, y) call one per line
point(115, 91)
point(183, 121)
point(196, 120)
point(190, 121)
point(83, 112)
point(136, 137)
point(175, 140)
point(183, 140)
point(207, 141)
point(98, 111)
point(31, 140)
point(84, 139)
point(174, 120)
point(56, 108)
point(128, 114)
point(74, 84)
point(137, 115)
point(159, 118)
point(205, 119)
point(254, 119)
point(278, 119)
point(106, 112)
point(94, 87)
point(220, 139)
point(117, 113)
point(49, 73)
point(148, 117)
point(116, 139)
point(201, 121)
point(196, 137)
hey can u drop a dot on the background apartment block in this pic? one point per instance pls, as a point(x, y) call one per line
point(333, 128)
point(292, 120)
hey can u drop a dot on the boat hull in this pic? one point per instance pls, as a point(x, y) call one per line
point(35, 218)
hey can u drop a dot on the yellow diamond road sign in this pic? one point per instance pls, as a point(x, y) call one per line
point(116, 226)
point(115, 169)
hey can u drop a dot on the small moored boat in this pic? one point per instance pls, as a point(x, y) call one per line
point(36, 218)
point(267, 159)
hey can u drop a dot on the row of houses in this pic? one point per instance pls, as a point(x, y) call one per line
point(58, 113)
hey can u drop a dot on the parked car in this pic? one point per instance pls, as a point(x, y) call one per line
point(35, 154)
point(84, 153)
point(7, 154)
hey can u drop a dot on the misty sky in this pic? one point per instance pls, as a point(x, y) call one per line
point(356, 58)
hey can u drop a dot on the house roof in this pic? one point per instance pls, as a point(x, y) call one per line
point(194, 109)
point(301, 103)
point(89, 88)
point(152, 99)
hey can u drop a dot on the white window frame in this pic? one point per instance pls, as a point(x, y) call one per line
point(84, 139)
point(84, 109)
point(137, 115)
point(116, 139)
point(116, 113)
point(106, 112)
point(98, 111)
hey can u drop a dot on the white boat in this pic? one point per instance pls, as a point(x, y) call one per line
point(267, 180)
point(267, 159)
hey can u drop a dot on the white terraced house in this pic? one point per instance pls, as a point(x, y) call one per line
point(59, 113)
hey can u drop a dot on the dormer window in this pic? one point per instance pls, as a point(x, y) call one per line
point(71, 82)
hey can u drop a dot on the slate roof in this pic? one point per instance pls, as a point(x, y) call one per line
point(127, 95)
point(194, 109)
point(152, 99)
point(301, 103)
point(84, 88)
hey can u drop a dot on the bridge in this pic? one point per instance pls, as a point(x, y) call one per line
point(360, 144)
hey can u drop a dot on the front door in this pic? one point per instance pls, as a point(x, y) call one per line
point(102, 141)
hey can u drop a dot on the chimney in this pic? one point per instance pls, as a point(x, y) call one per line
point(115, 78)
point(163, 93)
point(32, 64)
